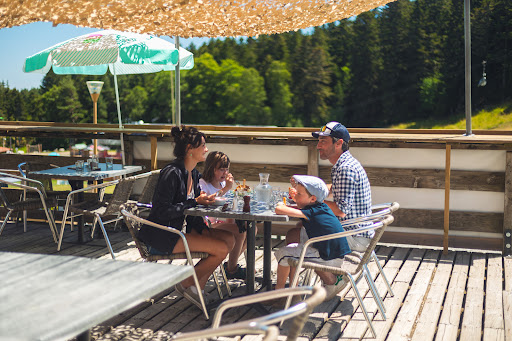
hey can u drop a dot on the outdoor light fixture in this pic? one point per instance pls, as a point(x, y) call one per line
point(95, 89)
point(483, 80)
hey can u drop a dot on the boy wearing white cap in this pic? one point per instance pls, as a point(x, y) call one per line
point(317, 220)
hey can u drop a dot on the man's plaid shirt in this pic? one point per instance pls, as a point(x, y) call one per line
point(351, 189)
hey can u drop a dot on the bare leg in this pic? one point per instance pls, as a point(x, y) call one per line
point(282, 274)
point(326, 277)
point(217, 249)
point(239, 244)
point(293, 235)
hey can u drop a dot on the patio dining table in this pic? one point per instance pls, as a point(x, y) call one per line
point(259, 212)
point(76, 180)
point(49, 297)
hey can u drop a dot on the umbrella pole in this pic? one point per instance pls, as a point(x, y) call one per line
point(177, 81)
point(119, 114)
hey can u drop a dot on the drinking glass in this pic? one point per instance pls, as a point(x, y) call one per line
point(79, 166)
point(94, 162)
point(109, 162)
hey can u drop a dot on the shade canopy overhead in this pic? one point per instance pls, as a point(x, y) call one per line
point(185, 18)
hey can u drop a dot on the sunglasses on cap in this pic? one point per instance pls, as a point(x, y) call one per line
point(324, 128)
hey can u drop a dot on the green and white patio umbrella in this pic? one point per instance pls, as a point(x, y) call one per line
point(120, 52)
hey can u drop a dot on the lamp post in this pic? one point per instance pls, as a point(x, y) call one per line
point(95, 89)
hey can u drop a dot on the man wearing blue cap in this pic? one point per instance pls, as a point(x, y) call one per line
point(350, 186)
point(317, 220)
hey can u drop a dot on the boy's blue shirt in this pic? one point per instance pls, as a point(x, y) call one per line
point(320, 222)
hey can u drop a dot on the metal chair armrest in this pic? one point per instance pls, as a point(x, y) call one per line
point(270, 332)
point(125, 213)
point(21, 170)
point(393, 206)
point(40, 191)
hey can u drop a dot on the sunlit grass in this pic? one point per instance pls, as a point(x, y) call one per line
point(495, 118)
point(67, 187)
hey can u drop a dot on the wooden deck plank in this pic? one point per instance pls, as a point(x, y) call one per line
point(493, 314)
point(357, 325)
point(169, 312)
point(400, 287)
point(395, 265)
point(404, 323)
point(507, 313)
point(471, 328)
point(344, 308)
point(452, 309)
point(508, 273)
point(427, 322)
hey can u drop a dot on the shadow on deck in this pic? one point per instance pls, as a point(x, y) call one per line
point(463, 295)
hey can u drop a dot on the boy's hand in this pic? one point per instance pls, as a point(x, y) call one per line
point(289, 211)
point(292, 192)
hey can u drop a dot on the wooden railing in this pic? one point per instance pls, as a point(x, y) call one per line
point(408, 166)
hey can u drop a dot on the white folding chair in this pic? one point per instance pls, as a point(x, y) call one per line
point(299, 312)
point(353, 267)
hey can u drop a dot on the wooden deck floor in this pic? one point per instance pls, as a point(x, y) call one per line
point(458, 296)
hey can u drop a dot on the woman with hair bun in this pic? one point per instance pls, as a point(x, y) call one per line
point(178, 189)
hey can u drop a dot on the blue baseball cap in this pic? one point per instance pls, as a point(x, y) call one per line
point(334, 129)
point(315, 186)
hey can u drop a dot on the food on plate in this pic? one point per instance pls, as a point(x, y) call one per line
point(242, 188)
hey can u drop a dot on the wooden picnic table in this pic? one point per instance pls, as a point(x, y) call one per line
point(48, 297)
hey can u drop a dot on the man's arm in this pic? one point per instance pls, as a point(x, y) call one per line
point(335, 209)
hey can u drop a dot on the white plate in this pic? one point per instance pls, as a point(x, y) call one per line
point(220, 201)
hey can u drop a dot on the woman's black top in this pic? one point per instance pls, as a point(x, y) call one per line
point(169, 203)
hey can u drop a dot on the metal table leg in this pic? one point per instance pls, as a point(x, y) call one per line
point(78, 184)
point(251, 258)
point(267, 254)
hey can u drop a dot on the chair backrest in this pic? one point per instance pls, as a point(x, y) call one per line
point(4, 199)
point(134, 227)
point(120, 196)
point(385, 221)
point(135, 223)
point(146, 197)
point(299, 313)
point(9, 196)
point(26, 168)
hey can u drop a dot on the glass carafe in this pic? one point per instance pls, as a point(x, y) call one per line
point(263, 191)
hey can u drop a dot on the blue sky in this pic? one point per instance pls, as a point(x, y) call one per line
point(21, 42)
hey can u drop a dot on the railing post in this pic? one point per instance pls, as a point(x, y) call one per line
point(154, 152)
point(447, 171)
point(507, 211)
point(313, 160)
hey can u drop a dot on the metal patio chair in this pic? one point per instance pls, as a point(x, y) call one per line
point(38, 202)
point(299, 313)
point(378, 211)
point(134, 223)
point(99, 208)
point(353, 267)
point(25, 168)
point(381, 210)
point(145, 199)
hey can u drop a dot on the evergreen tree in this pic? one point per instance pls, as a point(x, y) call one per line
point(277, 85)
point(365, 103)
